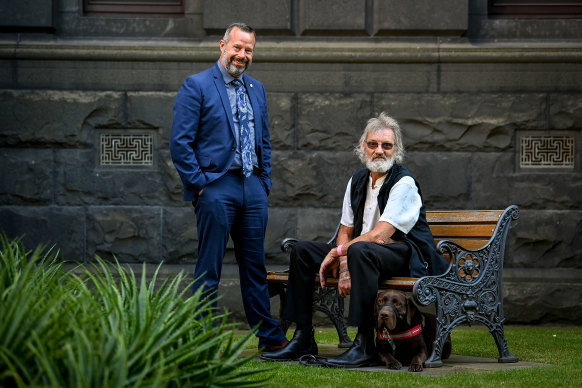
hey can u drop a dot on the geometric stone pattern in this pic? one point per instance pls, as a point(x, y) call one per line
point(547, 151)
point(126, 150)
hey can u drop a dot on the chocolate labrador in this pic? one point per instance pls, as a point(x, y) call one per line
point(404, 335)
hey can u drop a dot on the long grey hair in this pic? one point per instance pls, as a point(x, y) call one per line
point(376, 124)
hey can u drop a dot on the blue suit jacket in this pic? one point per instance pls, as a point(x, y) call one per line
point(203, 142)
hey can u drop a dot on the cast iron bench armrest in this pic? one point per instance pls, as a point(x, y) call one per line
point(470, 290)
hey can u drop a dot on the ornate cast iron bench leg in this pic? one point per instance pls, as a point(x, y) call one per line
point(470, 291)
point(326, 300)
point(280, 289)
point(329, 301)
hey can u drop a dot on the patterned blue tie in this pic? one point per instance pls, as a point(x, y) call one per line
point(245, 131)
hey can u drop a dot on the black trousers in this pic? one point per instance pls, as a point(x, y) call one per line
point(369, 264)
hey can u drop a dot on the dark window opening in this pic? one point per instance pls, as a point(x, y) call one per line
point(134, 7)
point(536, 8)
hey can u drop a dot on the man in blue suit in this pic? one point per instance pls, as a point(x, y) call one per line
point(221, 148)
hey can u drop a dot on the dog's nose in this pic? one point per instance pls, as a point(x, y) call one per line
point(384, 315)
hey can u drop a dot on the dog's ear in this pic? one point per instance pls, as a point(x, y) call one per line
point(410, 309)
point(379, 299)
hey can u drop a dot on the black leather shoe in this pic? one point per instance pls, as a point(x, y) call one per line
point(303, 343)
point(361, 353)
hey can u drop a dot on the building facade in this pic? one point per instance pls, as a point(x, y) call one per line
point(488, 93)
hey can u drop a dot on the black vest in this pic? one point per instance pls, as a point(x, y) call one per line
point(425, 260)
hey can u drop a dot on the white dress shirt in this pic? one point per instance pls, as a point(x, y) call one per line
point(401, 211)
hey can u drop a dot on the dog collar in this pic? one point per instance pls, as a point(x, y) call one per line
point(386, 336)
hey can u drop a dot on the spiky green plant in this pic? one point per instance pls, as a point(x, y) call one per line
point(31, 289)
point(102, 327)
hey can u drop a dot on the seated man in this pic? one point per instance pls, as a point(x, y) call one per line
point(383, 233)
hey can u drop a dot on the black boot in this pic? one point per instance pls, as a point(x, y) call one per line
point(303, 343)
point(361, 353)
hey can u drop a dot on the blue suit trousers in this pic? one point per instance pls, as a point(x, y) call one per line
point(236, 206)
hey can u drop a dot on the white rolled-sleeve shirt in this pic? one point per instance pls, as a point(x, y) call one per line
point(401, 211)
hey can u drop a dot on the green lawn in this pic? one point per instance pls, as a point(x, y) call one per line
point(561, 347)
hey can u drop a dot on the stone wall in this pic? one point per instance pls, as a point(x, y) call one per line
point(464, 91)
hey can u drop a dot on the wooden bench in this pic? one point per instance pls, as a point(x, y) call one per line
point(473, 242)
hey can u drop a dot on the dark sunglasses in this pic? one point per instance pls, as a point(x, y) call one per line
point(374, 144)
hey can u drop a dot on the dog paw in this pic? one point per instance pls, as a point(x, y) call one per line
point(415, 367)
point(394, 365)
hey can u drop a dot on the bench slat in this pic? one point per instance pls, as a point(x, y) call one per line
point(277, 277)
point(465, 216)
point(452, 231)
point(401, 283)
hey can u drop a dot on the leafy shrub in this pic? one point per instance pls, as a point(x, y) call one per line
point(105, 328)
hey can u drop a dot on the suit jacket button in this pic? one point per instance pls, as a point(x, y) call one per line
point(233, 148)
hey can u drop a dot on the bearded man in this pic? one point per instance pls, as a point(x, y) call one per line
point(221, 148)
point(383, 233)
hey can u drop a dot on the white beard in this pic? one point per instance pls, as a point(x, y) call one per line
point(380, 165)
